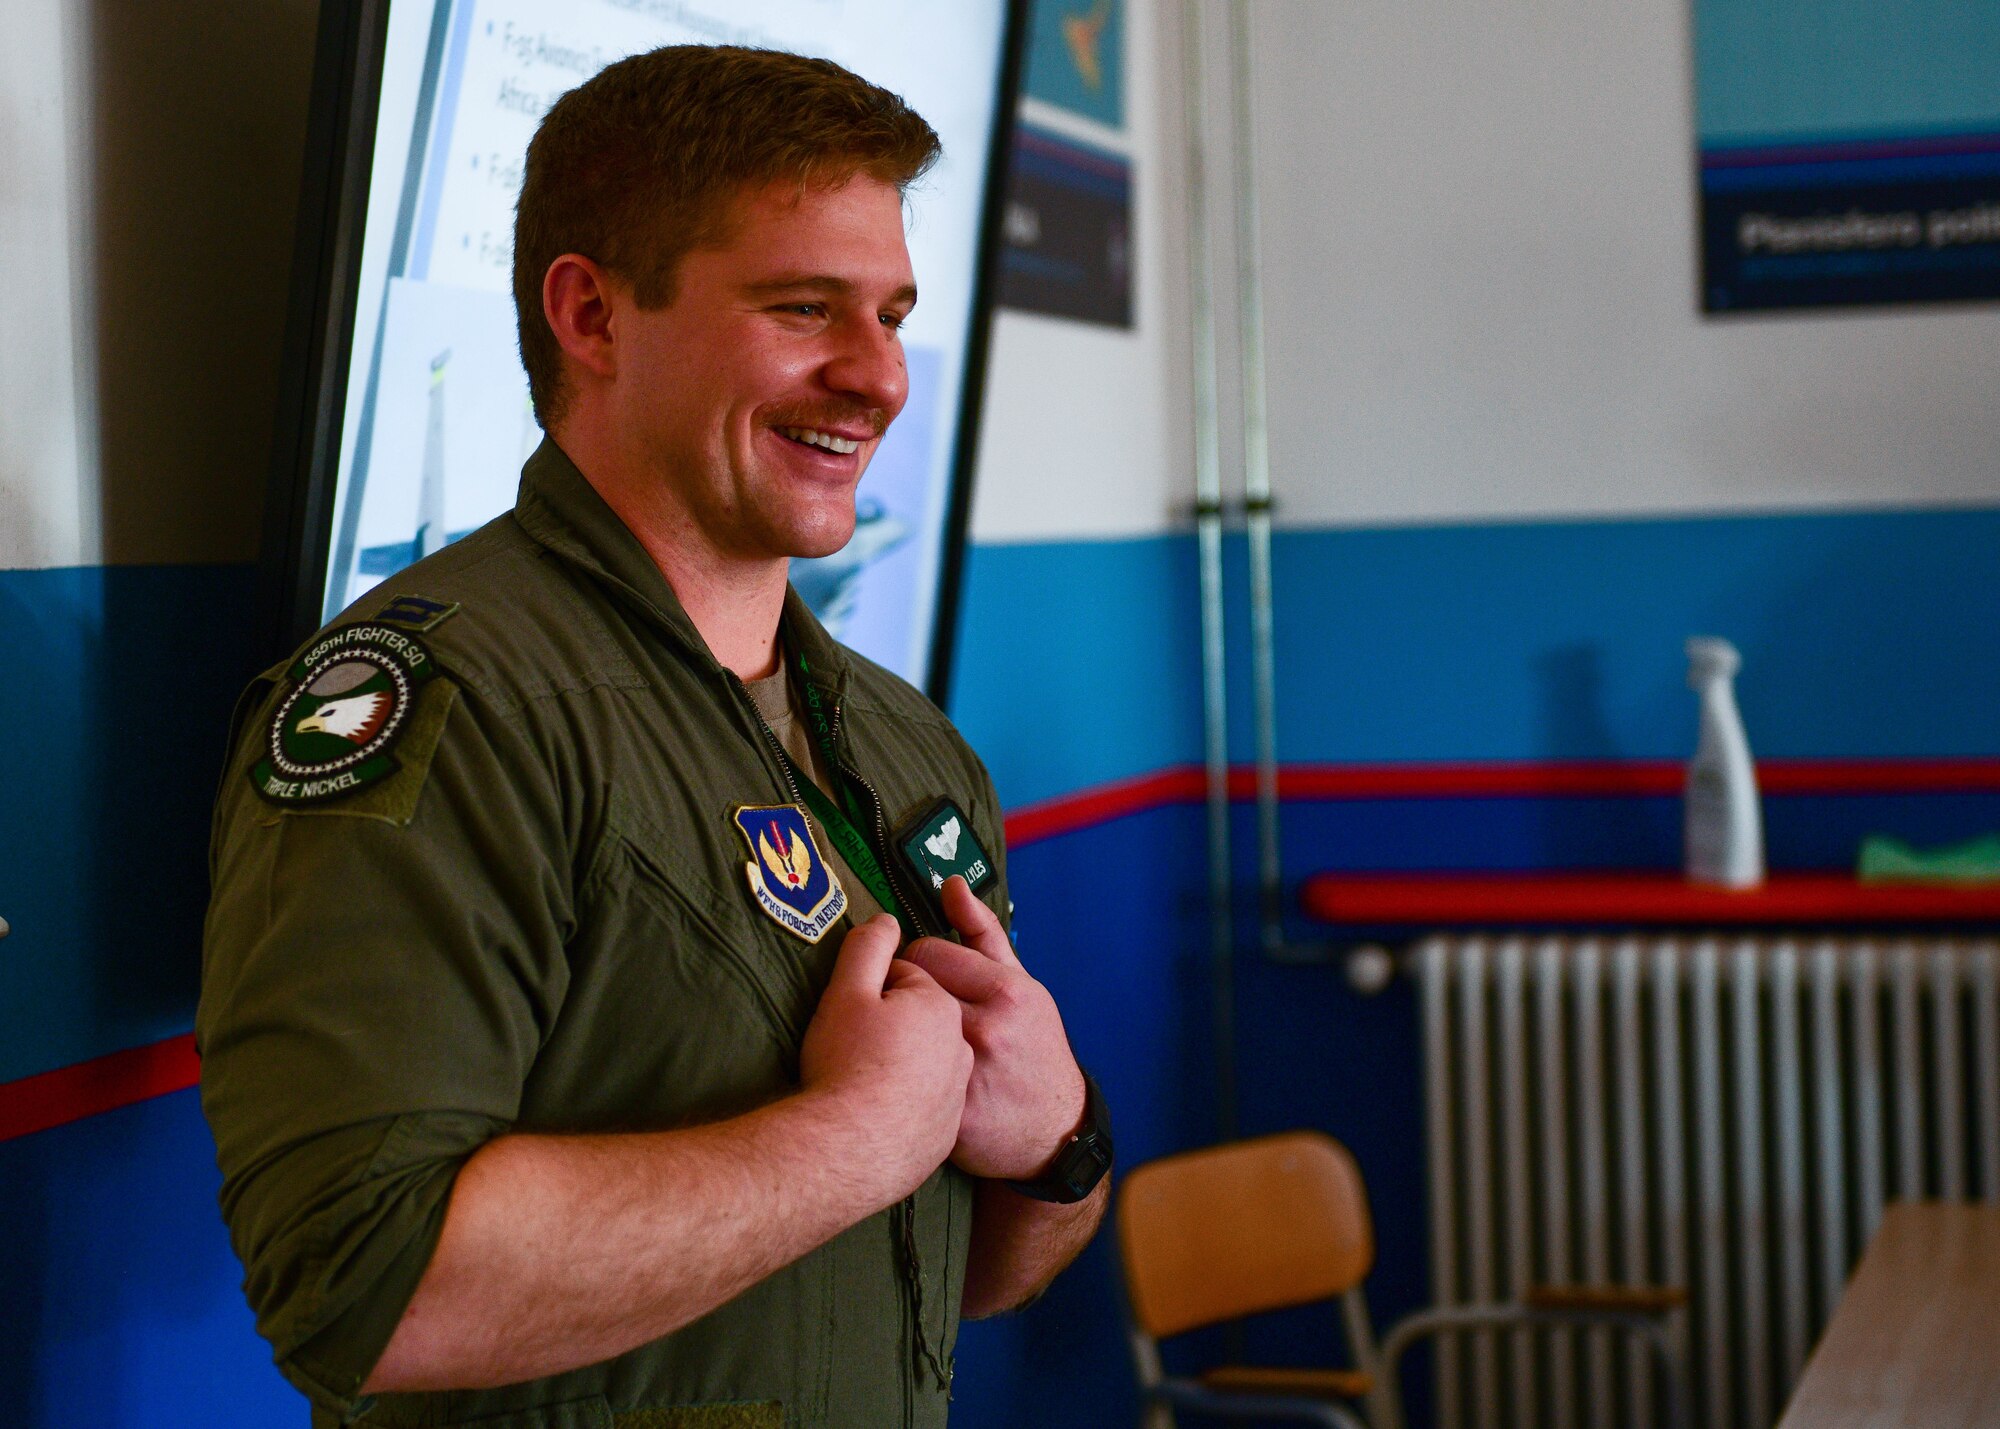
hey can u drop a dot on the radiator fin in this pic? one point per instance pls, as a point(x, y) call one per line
point(1727, 1114)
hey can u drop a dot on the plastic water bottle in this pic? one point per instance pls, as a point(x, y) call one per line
point(1723, 824)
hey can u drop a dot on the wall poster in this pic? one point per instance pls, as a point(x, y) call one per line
point(1849, 152)
point(1068, 226)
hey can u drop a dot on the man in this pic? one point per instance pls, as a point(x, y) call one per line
point(578, 1036)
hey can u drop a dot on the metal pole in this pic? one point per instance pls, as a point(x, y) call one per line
point(1256, 481)
point(1208, 529)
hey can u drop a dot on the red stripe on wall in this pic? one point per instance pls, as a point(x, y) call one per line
point(106, 1083)
point(1468, 781)
point(1182, 784)
point(1621, 778)
point(101, 1084)
point(1887, 776)
point(1604, 779)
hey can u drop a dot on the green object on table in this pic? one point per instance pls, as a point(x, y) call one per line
point(1887, 860)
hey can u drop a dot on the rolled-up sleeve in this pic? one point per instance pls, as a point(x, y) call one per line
point(378, 977)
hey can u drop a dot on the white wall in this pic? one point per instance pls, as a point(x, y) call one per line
point(47, 475)
point(1480, 238)
point(149, 168)
point(1480, 283)
point(1085, 434)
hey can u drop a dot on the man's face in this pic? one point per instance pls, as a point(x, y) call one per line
point(761, 391)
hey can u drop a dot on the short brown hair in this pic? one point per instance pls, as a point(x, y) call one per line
point(639, 164)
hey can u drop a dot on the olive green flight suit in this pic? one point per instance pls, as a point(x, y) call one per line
point(541, 922)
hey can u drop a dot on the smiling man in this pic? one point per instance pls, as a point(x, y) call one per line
point(618, 1025)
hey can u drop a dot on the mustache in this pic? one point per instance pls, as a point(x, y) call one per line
point(839, 416)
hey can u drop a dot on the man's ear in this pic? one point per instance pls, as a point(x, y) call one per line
point(578, 299)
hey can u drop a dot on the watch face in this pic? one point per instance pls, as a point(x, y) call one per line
point(1084, 1164)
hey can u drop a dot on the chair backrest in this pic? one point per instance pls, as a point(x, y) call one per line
point(1231, 1230)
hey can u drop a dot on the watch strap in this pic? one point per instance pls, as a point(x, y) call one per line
point(1084, 1158)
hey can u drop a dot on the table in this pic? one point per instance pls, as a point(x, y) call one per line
point(1916, 1339)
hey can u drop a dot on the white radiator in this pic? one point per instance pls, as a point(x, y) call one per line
point(1724, 1113)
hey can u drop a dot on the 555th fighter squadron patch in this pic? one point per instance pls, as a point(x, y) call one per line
point(352, 696)
point(789, 877)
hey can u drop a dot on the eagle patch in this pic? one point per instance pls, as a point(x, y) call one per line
point(352, 695)
point(789, 877)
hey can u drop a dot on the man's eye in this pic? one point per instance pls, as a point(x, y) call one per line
point(894, 321)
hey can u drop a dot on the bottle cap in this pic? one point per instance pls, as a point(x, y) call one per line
point(1711, 658)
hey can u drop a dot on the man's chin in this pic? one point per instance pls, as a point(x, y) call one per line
point(816, 544)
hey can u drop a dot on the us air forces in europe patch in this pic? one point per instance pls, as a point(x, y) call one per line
point(939, 843)
point(353, 697)
point(789, 877)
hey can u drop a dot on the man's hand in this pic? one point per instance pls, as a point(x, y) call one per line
point(889, 1045)
point(560, 1251)
point(1026, 1094)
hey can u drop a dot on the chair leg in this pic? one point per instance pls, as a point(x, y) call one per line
point(1385, 1406)
point(1157, 1413)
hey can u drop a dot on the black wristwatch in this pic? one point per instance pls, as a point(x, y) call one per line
point(1084, 1158)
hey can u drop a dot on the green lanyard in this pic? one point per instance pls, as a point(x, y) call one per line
point(841, 825)
point(846, 837)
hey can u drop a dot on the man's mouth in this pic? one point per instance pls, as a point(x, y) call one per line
point(825, 441)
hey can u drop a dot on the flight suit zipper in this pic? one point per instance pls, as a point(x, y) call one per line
point(919, 912)
point(913, 1259)
point(913, 1266)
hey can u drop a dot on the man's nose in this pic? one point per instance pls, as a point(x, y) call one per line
point(868, 366)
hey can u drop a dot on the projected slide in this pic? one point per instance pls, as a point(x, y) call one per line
point(438, 421)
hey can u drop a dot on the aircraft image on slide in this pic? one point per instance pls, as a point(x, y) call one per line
point(829, 584)
point(431, 534)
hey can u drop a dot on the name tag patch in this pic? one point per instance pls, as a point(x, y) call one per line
point(789, 876)
point(940, 843)
point(416, 612)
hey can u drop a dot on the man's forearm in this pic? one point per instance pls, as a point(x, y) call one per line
point(1020, 1244)
point(559, 1251)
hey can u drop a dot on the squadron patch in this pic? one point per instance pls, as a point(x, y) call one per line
point(352, 696)
point(789, 877)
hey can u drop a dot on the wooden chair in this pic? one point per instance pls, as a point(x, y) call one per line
point(1229, 1231)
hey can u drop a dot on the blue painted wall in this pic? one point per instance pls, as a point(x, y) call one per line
point(122, 1305)
point(1078, 663)
point(1864, 636)
point(114, 709)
